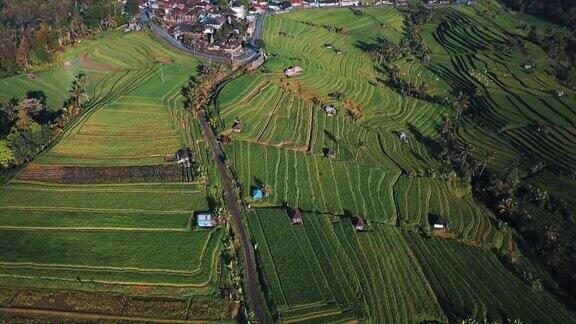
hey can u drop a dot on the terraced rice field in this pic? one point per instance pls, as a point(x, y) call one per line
point(130, 237)
point(330, 273)
point(390, 273)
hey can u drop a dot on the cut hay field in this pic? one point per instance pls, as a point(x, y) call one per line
point(135, 237)
point(399, 270)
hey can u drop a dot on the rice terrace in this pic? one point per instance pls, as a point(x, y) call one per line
point(287, 161)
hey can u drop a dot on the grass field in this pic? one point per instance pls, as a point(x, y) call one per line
point(390, 273)
point(134, 238)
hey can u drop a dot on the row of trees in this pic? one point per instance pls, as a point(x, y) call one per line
point(31, 31)
point(562, 49)
point(28, 125)
point(559, 11)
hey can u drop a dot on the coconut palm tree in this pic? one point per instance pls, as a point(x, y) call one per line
point(448, 128)
point(466, 151)
point(461, 105)
point(488, 156)
point(507, 206)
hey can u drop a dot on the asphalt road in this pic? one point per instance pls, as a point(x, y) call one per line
point(230, 196)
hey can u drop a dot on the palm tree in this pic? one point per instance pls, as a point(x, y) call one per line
point(448, 128)
point(507, 207)
point(488, 156)
point(465, 152)
point(461, 105)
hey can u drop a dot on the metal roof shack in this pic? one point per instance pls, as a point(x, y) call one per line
point(205, 220)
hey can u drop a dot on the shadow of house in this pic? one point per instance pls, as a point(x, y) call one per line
point(437, 222)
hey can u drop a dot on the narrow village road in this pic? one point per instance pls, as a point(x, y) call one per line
point(250, 53)
point(230, 194)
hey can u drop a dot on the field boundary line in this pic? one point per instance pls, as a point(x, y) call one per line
point(90, 316)
point(94, 267)
point(91, 229)
point(75, 209)
point(117, 283)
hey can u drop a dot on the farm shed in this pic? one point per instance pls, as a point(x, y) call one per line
point(183, 155)
point(437, 222)
point(330, 111)
point(237, 126)
point(359, 223)
point(205, 220)
point(293, 71)
point(296, 216)
point(257, 193)
point(330, 153)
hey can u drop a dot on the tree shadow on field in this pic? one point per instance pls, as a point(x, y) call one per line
point(431, 145)
point(330, 136)
point(365, 47)
point(257, 182)
point(212, 203)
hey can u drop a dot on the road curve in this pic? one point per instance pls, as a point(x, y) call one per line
point(251, 52)
point(230, 195)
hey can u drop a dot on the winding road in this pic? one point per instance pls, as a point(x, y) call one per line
point(250, 53)
point(230, 196)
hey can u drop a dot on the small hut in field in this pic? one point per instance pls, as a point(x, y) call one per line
point(330, 153)
point(205, 220)
point(297, 217)
point(293, 71)
point(184, 156)
point(237, 126)
point(330, 111)
point(359, 223)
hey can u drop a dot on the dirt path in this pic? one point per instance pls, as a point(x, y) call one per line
point(83, 317)
point(230, 193)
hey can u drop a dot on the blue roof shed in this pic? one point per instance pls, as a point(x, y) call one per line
point(205, 220)
point(257, 194)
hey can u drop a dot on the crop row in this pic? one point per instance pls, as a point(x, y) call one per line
point(325, 268)
point(105, 174)
point(119, 304)
point(315, 183)
point(470, 281)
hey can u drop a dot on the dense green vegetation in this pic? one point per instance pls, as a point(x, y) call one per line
point(486, 121)
point(33, 32)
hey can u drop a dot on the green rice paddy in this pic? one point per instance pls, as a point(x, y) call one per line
point(325, 271)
